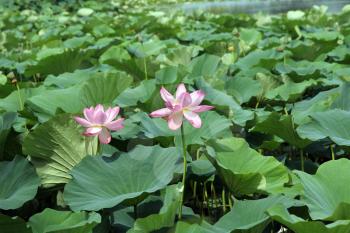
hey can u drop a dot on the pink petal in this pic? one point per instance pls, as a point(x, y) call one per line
point(175, 121)
point(104, 136)
point(201, 108)
point(112, 113)
point(115, 125)
point(180, 90)
point(193, 118)
point(161, 112)
point(92, 131)
point(89, 113)
point(99, 117)
point(166, 96)
point(99, 107)
point(197, 97)
point(82, 121)
point(185, 100)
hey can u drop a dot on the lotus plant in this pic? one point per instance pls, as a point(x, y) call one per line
point(99, 122)
point(183, 105)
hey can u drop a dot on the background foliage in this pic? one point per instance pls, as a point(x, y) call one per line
point(272, 156)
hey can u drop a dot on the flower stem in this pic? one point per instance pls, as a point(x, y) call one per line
point(19, 97)
point(145, 67)
point(332, 152)
point(223, 200)
point(185, 170)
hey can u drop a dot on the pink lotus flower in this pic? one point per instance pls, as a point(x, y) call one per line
point(99, 122)
point(183, 105)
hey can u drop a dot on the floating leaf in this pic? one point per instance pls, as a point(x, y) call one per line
point(333, 124)
point(18, 183)
point(213, 126)
point(244, 170)
point(242, 218)
point(274, 123)
point(166, 215)
point(102, 183)
point(298, 225)
point(56, 146)
point(325, 193)
point(141, 93)
point(64, 221)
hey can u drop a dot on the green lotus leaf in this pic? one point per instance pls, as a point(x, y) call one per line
point(244, 170)
point(69, 79)
point(290, 91)
point(340, 53)
point(180, 55)
point(75, 98)
point(197, 228)
point(12, 104)
point(131, 96)
point(250, 36)
point(325, 193)
point(201, 169)
point(241, 217)
point(57, 61)
point(302, 70)
point(18, 183)
point(3, 79)
point(213, 126)
point(146, 49)
point(323, 35)
point(320, 103)
point(204, 65)
point(280, 214)
point(13, 224)
point(119, 57)
point(103, 90)
point(264, 58)
point(331, 124)
point(102, 183)
point(56, 146)
point(243, 88)
point(220, 98)
point(167, 75)
point(49, 101)
point(64, 221)
point(166, 215)
point(341, 100)
point(274, 123)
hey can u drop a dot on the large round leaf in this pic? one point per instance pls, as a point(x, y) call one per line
point(56, 147)
point(18, 183)
point(244, 170)
point(334, 124)
point(166, 215)
point(213, 126)
point(280, 214)
point(326, 192)
point(64, 221)
point(103, 90)
point(241, 217)
point(100, 183)
point(274, 123)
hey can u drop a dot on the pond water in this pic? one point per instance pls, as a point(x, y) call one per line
point(268, 6)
